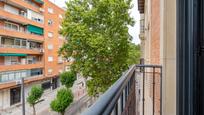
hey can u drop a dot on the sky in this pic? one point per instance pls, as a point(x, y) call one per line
point(133, 31)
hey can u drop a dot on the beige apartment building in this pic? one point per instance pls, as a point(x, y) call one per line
point(29, 44)
point(158, 42)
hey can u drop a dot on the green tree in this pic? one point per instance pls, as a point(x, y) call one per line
point(134, 54)
point(34, 96)
point(68, 78)
point(97, 38)
point(63, 100)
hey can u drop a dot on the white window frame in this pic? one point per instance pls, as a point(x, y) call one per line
point(50, 34)
point(50, 58)
point(50, 10)
point(50, 46)
point(50, 70)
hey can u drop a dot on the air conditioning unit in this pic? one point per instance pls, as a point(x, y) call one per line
point(41, 10)
point(41, 50)
point(18, 82)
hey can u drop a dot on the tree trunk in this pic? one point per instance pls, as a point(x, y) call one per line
point(34, 110)
point(62, 113)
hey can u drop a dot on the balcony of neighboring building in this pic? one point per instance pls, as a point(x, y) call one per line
point(22, 46)
point(35, 5)
point(12, 62)
point(21, 15)
point(9, 79)
point(21, 31)
point(142, 29)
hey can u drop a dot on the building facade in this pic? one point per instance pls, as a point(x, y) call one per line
point(159, 47)
point(29, 44)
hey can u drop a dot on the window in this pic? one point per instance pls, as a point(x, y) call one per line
point(60, 27)
point(36, 72)
point(60, 37)
point(67, 68)
point(60, 71)
point(50, 46)
point(49, 71)
point(50, 34)
point(60, 16)
point(15, 95)
point(12, 26)
point(60, 59)
point(50, 59)
point(50, 10)
point(17, 42)
point(37, 17)
point(50, 22)
point(11, 9)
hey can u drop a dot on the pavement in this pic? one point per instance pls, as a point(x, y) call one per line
point(43, 108)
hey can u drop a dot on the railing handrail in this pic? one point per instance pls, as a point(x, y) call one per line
point(20, 63)
point(106, 102)
point(21, 47)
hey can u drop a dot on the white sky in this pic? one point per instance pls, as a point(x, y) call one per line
point(133, 31)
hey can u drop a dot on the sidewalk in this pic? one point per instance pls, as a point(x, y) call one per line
point(43, 108)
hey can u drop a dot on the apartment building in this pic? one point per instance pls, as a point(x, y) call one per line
point(158, 40)
point(29, 43)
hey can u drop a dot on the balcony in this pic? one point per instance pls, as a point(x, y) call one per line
point(137, 92)
point(18, 18)
point(27, 80)
point(20, 66)
point(19, 49)
point(26, 4)
point(5, 31)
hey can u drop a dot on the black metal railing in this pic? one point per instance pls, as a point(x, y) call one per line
point(125, 97)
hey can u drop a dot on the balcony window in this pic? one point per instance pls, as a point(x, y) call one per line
point(11, 26)
point(13, 75)
point(11, 9)
point(36, 72)
point(11, 60)
point(17, 42)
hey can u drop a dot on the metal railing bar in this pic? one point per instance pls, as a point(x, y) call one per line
point(153, 90)
point(105, 104)
point(149, 66)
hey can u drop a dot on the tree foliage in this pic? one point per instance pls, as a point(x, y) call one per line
point(97, 38)
point(68, 78)
point(34, 96)
point(134, 54)
point(63, 100)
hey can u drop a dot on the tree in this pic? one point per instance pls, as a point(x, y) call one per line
point(63, 100)
point(68, 78)
point(34, 96)
point(134, 54)
point(97, 38)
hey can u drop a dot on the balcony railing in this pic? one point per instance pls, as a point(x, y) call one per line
point(21, 47)
point(24, 15)
point(137, 92)
point(20, 63)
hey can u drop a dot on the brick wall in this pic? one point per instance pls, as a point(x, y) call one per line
point(155, 32)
